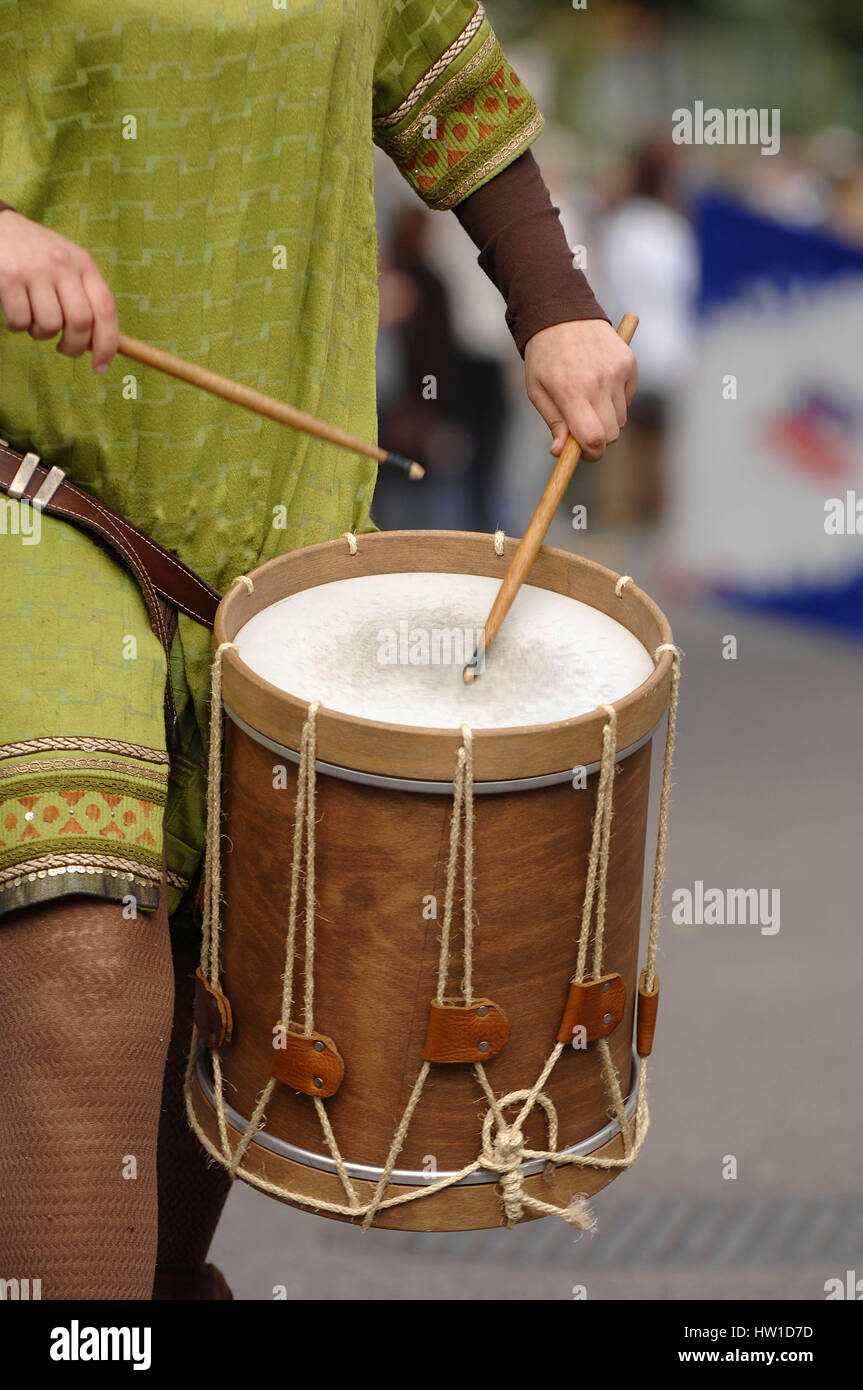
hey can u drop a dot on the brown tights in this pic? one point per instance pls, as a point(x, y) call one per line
point(91, 1082)
point(192, 1188)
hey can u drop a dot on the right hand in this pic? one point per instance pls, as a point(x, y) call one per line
point(48, 285)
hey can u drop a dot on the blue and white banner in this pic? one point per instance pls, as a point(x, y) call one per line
point(767, 453)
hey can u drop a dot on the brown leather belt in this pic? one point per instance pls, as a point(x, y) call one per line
point(166, 583)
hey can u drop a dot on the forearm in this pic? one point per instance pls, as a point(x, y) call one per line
point(524, 251)
point(579, 375)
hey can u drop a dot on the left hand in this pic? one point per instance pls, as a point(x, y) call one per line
point(581, 378)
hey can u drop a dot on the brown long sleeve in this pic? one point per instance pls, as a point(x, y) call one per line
point(524, 251)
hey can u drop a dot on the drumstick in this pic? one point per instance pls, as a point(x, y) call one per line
point(528, 547)
point(250, 399)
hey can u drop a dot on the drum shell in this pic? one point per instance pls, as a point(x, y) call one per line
point(381, 852)
point(380, 867)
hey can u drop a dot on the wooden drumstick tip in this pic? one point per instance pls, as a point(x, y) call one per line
point(411, 469)
point(531, 542)
point(476, 665)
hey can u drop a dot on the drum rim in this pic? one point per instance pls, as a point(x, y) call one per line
point(413, 784)
point(408, 1177)
point(418, 752)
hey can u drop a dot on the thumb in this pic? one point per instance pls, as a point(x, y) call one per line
point(560, 434)
point(550, 412)
point(548, 407)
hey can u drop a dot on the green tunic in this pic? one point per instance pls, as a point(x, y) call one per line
point(217, 161)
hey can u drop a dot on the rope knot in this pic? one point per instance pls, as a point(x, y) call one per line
point(507, 1149)
point(511, 1191)
point(505, 1156)
point(506, 1153)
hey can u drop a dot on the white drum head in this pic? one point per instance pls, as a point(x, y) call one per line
point(392, 648)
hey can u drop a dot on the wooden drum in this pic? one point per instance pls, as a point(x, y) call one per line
point(375, 806)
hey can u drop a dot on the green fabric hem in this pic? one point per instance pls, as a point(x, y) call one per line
point(100, 885)
point(84, 779)
point(175, 897)
point(72, 845)
point(156, 765)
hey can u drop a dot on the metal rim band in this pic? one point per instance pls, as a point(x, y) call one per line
point(408, 1177)
point(407, 784)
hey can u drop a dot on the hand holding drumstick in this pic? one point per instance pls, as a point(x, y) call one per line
point(539, 523)
point(579, 375)
point(48, 285)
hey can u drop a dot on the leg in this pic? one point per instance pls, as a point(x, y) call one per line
point(192, 1189)
point(85, 1016)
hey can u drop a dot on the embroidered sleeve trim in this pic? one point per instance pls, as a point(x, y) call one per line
point(481, 172)
point(428, 79)
point(456, 89)
point(476, 121)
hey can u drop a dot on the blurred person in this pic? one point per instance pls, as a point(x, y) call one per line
point(834, 156)
point(174, 225)
point(648, 260)
point(438, 400)
point(420, 390)
point(790, 186)
point(846, 219)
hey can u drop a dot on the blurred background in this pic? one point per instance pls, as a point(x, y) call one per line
point(732, 498)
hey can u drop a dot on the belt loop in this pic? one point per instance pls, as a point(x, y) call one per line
point(26, 469)
point(49, 487)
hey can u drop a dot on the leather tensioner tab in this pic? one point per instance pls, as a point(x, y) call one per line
point(460, 1032)
point(594, 1005)
point(310, 1063)
point(648, 1003)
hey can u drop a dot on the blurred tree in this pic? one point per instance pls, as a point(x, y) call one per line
point(843, 22)
point(839, 20)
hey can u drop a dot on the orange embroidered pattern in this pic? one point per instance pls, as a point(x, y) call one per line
point(467, 130)
point(97, 815)
point(456, 137)
point(87, 815)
